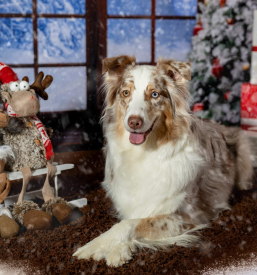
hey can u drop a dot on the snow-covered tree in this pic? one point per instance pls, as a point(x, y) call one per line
point(221, 56)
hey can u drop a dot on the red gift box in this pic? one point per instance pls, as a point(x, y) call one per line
point(249, 107)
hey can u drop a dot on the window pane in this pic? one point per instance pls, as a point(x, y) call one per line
point(173, 38)
point(14, 6)
point(61, 6)
point(68, 90)
point(129, 7)
point(129, 36)
point(176, 7)
point(61, 40)
point(16, 40)
point(29, 72)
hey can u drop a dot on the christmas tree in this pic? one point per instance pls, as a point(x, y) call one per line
point(221, 56)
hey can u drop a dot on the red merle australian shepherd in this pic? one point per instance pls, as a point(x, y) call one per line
point(167, 172)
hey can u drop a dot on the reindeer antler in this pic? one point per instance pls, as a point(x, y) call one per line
point(40, 85)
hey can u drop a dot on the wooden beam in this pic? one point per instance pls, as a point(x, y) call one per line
point(35, 37)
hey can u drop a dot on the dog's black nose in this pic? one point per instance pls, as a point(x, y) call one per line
point(135, 122)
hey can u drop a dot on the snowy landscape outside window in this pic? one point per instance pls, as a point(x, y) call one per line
point(146, 28)
point(150, 28)
point(69, 39)
point(59, 40)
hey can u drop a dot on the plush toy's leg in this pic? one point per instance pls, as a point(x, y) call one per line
point(26, 173)
point(27, 212)
point(5, 184)
point(5, 187)
point(2, 165)
point(8, 226)
point(57, 207)
point(47, 190)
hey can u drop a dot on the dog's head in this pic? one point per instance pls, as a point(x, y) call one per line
point(150, 102)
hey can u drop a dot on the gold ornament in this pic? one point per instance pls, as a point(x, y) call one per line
point(245, 66)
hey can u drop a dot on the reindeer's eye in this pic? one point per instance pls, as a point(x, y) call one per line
point(15, 87)
point(125, 93)
point(155, 94)
point(24, 85)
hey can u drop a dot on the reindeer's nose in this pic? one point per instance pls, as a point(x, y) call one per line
point(135, 122)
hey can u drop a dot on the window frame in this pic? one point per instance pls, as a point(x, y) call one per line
point(103, 39)
point(96, 18)
point(35, 65)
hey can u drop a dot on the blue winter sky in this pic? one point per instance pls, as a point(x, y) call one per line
point(63, 40)
point(144, 7)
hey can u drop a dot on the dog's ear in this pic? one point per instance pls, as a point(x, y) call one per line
point(117, 64)
point(178, 71)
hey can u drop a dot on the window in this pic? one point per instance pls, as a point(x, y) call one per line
point(69, 39)
point(150, 28)
point(49, 36)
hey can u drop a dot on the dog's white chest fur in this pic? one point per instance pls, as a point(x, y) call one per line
point(148, 183)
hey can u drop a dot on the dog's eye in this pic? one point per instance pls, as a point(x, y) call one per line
point(155, 94)
point(125, 93)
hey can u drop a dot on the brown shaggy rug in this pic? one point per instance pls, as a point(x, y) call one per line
point(230, 238)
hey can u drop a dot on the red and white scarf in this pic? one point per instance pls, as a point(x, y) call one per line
point(41, 129)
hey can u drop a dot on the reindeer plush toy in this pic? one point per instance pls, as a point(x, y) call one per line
point(25, 146)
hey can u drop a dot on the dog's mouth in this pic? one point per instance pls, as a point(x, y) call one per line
point(139, 138)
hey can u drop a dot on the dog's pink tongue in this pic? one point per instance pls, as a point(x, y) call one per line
point(136, 138)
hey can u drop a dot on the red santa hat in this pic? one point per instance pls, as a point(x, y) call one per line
point(7, 75)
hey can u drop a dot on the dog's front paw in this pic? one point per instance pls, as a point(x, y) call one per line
point(97, 249)
point(119, 255)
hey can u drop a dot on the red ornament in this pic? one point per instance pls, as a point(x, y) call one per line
point(198, 107)
point(230, 21)
point(226, 95)
point(222, 3)
point(217, 69)
point(197, 28)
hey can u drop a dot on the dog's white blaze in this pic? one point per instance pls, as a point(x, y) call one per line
point(141, 76)
point(148, 183)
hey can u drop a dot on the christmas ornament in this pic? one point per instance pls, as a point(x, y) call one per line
point(230, 21)
point(222, 3)
point(226, 95)
point(198, 107)
point(245, 66)
point(217, 69)
point(197, 28)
